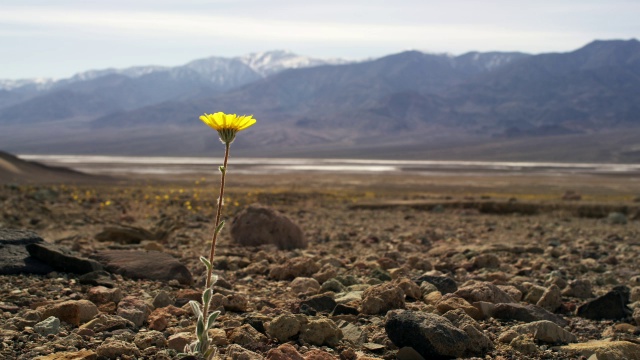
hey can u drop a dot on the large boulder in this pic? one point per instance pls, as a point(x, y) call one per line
point(260, 225)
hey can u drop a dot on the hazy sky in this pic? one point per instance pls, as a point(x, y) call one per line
point(57, 38)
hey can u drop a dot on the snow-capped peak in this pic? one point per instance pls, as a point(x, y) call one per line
point(271, 62)
point(217, 70)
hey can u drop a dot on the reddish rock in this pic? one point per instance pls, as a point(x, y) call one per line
point(452, 302)
point(102, 295)
point(381, 298)
point(74, 312)
point(316, 354)
point(178, 341)
point(159, 319)
point(189, 294)
point(284, 352)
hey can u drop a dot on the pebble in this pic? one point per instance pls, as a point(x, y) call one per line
point(381, 298)
point(483, 291)
point(284, 352)
point(134, 310)
point(102, 295)
point(305, 285)
point(179, 340)
point(48, 326)
point(546, 331)
point(320, 332)
point(246, 335)
point(235, 351)
point(106, 322)
point(284, 327)
point(162, 299)
point(321, 302)
point(444, 284)
point(292, 268)
point(580, 289)
point(147, 339)
point(113, 349)
point(451, 302)
point(551, 299)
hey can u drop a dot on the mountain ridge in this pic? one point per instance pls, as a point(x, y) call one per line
point(402, 101)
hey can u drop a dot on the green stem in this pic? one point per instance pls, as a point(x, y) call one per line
point(215, 233)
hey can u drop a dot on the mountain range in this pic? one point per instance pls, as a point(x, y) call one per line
point(582, 105)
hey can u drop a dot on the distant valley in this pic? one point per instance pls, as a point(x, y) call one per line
point(582, 105)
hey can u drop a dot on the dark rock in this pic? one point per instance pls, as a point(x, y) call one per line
point(98, 278)
point(380, 274)
point(342, 309)
point(152, 265)
point(444, 284)
point(308, 310)
point(62, 259)
point(432, 336)
point(14, 257)
point(321, 303)
point(256, 323)
point(526, 313)
point(260, 225)
point(612, 305)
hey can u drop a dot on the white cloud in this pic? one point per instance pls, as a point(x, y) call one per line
point(175, 25)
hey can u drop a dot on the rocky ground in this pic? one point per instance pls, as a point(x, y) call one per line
point(339, 267)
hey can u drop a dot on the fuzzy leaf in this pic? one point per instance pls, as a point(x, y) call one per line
point(196, 308)
point(206, 297)
point(206, 262)
point(212, 318)
point(200, 328)
point(214, 279)
point(220, 226)
point(209, 354)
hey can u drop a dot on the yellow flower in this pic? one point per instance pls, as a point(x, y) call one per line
point(227, 125)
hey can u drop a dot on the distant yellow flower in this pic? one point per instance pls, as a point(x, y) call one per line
point(227, 125)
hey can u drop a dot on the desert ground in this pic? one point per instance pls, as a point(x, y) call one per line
point(522, 262)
